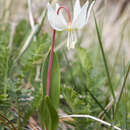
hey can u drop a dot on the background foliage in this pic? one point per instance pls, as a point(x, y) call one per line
point(84, 82)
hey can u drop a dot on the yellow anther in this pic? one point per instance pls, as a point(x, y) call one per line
point(69, 28)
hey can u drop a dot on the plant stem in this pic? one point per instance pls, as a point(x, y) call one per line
point(50, 64)
point(52, 49)
point(91, 117)
point(31, 19)
point(123, 86)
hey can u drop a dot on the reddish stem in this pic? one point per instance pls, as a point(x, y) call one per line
point(50, 64)
point(52, 49)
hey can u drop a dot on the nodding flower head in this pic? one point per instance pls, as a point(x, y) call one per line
point(80, 19)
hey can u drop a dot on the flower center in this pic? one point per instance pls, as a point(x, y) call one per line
point(69, 29)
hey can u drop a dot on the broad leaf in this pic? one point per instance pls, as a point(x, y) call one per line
point(48, 115)
point(54, 80)
point(47, 110)
point(53, 114)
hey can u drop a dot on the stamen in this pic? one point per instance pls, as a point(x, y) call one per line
point(69, 28)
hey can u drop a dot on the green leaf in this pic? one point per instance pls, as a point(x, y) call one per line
point(47, 110)
point(44, 114)
point(41, 113)
point(74, 101)
point(84, 58)
point(48, 115)
point(104, 58)
point(54, 80)
point(53, 113)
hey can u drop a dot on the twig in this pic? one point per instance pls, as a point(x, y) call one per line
point(6, 12)
point(37, 76)
point(91, 117)
point(33, 124)
point(32, 35)
point(5, 123)
point(8, 121)
point(13, 25)
point(31, 19)
point(109, 105)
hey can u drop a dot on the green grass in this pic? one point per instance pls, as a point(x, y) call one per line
point(94, 80)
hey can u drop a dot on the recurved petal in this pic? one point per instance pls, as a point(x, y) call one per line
point(61, 15)
point(57, 21)
point(57, 6)
point(77, 9)
point(80, 20)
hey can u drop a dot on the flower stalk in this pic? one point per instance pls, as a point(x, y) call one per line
point(50, 64)
point(58, 23)
point(52, 49)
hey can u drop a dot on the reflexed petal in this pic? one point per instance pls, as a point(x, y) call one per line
point(77, 9)
point(57, 6)
point(57, 21)
point(72, 39)
point(89, 10)
point(80, 20)
point(60, 13)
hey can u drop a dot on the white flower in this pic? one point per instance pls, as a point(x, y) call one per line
point(80, 19)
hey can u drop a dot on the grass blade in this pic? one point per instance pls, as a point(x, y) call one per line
point(87, 89)
point(104, 58)
point(123, 86)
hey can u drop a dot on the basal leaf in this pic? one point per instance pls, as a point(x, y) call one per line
point(54, 80)
point(53, 114)
point(44, 115)
point(48, 115)
point(47, 110)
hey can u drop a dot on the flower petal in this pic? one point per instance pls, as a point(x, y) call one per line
point(72, 39)
point(61, 15)
point(89, 10)
point(57, 21)
point(77, 9)
point(80, 20)
point(57, 6)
